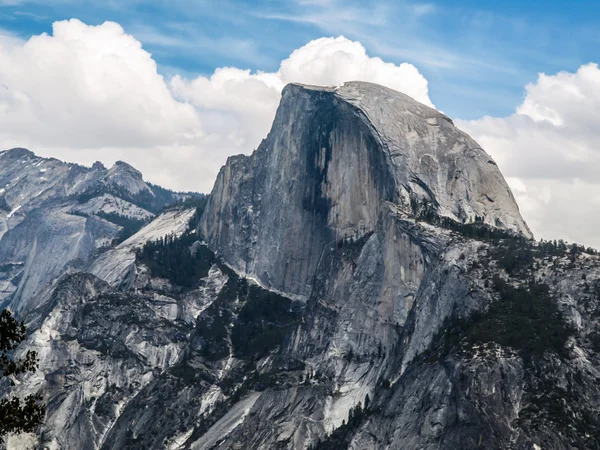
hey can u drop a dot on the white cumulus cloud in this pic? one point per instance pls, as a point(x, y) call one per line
point(89, 93)
point(549, 150)
point(241, 105)
point(89, 87)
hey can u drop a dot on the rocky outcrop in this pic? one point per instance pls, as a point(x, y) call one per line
point(123, 175)
point(116, 265)
point(55, 217)
point(332, 161)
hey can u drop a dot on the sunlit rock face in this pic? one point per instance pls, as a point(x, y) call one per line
point(334, 159)
point(363, 280)
point(56, 216)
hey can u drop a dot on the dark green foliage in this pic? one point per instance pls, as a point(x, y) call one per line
point(79, 213)
point(129, 225)
point(562, 398)
point(183, 260)
point(185, 372)
point(191, 200)
point(262, 323)
point(164, 197)
point(199, 202)
point(100, 189)
point(518, 256)
point(17, 415)
point(426, 211)
point(154, 201)
point(552, 248)
point(594, 338)
point(3, 205)
point(12, 333)
point(477, 230)
point(513, 256)
point(252, 320)
point(525, 318)
point(106, 404)
point(349, 242)
point(214, 324)
point(6, 268)
point(213, 328)
point(349, 356)
point(177, 259)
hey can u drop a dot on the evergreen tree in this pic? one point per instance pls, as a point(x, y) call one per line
point(17, 415)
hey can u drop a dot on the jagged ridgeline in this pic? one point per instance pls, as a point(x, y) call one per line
point(55, 216)
point(363, 280)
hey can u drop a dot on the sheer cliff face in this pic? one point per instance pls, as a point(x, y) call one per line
point(326, 211)
point(333, 160)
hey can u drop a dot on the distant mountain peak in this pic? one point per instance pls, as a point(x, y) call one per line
point(126, 176)
point(17, 153)
point(98, 166)
point(122, 165)
point(75, 208)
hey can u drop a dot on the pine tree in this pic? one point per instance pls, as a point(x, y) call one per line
point(17, 415)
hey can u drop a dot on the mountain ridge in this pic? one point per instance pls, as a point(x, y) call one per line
point(356, 175)
point(334, 302)
point(58, 213)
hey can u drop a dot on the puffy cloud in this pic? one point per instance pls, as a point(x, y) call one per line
point(243, 104)
point(89, 87)
point(92, 92)
point(549, 150)
point(329, 61)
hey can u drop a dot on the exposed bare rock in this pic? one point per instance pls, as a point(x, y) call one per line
point(55, 216)
point(332, 160)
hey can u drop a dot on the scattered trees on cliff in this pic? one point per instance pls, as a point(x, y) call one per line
point(16, 415)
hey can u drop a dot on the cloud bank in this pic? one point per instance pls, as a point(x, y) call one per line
point(89, 93)
point(549, 150)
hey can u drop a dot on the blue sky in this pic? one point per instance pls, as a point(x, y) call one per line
point(478, 56)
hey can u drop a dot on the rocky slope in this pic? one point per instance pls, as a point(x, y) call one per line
point(54, 216)
point(364, 280)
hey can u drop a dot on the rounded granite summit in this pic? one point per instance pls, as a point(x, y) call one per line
point(429, 156)
point(336, 160)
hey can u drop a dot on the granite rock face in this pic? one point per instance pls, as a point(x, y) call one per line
point(56, 216)
point(333, 159)
point(364, 280)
